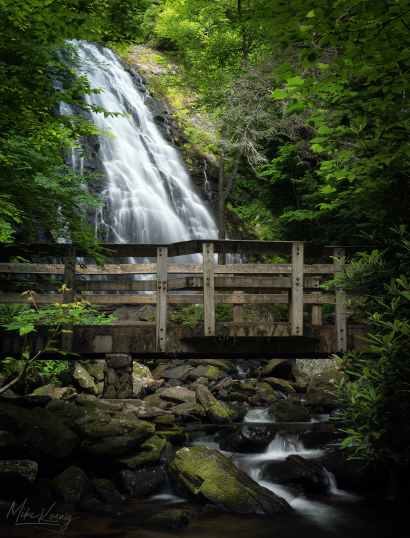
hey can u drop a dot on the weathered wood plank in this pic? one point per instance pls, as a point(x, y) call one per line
point(67, 338)
point(172, 298)
point(173, 268)
point(133, 250)
point(340, 310)
point(317, 309)
point(161, 307)
point(209, 289)
point(296, 294)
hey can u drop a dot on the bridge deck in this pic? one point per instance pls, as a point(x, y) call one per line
point(294, 284)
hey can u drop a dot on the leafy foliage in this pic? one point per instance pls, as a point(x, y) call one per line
point(377, 400)
point(56, 317)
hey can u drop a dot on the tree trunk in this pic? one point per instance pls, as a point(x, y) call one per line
point(221, 197)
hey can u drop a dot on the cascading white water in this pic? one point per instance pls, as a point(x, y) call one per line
point(148, 195)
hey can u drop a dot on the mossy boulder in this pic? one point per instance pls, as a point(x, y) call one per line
point(207, 476)
point(105, 490)
point(113, 436)
point(158, 372)
point(211, 373)
point(56, 393)
point(68, 413)
point(82, 380)
point(280, 384)
point(265, 393)
point(150, 452)
point(284, 411)
point(215, 411)
point(142, 370)
point(169, 520)
point(278, 368)
point(38, 431)
point(72, 485)
point(305, 369)
point(321, 386)
point(188, 412)
point(226, 365)
point(242, 388)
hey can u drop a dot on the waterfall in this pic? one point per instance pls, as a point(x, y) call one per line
point(148, 195)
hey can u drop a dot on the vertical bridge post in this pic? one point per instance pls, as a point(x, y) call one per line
point(317, 307)
point(67, 339)
point(209, 289)
point(340, 310)
point(296, 293)
point(161, 306)
point(238, 308)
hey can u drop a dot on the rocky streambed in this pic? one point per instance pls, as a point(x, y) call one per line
point(205, 447)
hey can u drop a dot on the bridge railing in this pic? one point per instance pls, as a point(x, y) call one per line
point(294, 283)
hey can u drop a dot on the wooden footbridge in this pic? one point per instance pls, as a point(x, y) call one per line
point(295, 284)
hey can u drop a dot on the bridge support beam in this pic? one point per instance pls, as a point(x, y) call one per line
point(67, 339)
point(209, 289)
point(296, 293)
point(340, 310)
point(161, 306)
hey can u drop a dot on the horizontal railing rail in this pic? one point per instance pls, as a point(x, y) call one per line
point(294, 283)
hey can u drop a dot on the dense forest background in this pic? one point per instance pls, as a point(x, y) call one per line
point(305, 108)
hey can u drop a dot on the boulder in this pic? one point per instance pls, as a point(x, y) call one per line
point(38, 431)
point(30, 401)
point(211, 373)
point(265, 393)
point(169, 520)
point(95, 506)
point(319, 434)
point(180, 373)
point(304, 369)
point(215, 411)
point(25, 469)
point(236, 412)
point(118, 360)
point(56, 393)
point(141, 483)
point(319, 391)
point(177, 395)
point(139, 386)
point(2, 380)
point(83, 381)
point(348, 476)
point(142, 370)
point(149, 452)
point(248, 440)
point(224, 365)
point(72, 485)
point(113, 436)
point(310, 474)
point(280, 384)
point(190, 411)
point(105, 491)
point(174, 383)
point(288, 412)
point(241, 388)
point(159, 371)
point(207, 476)
point(9, 446)
point(17, 477)
point(278, 368)
point(199, 381)
point(96, 368)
